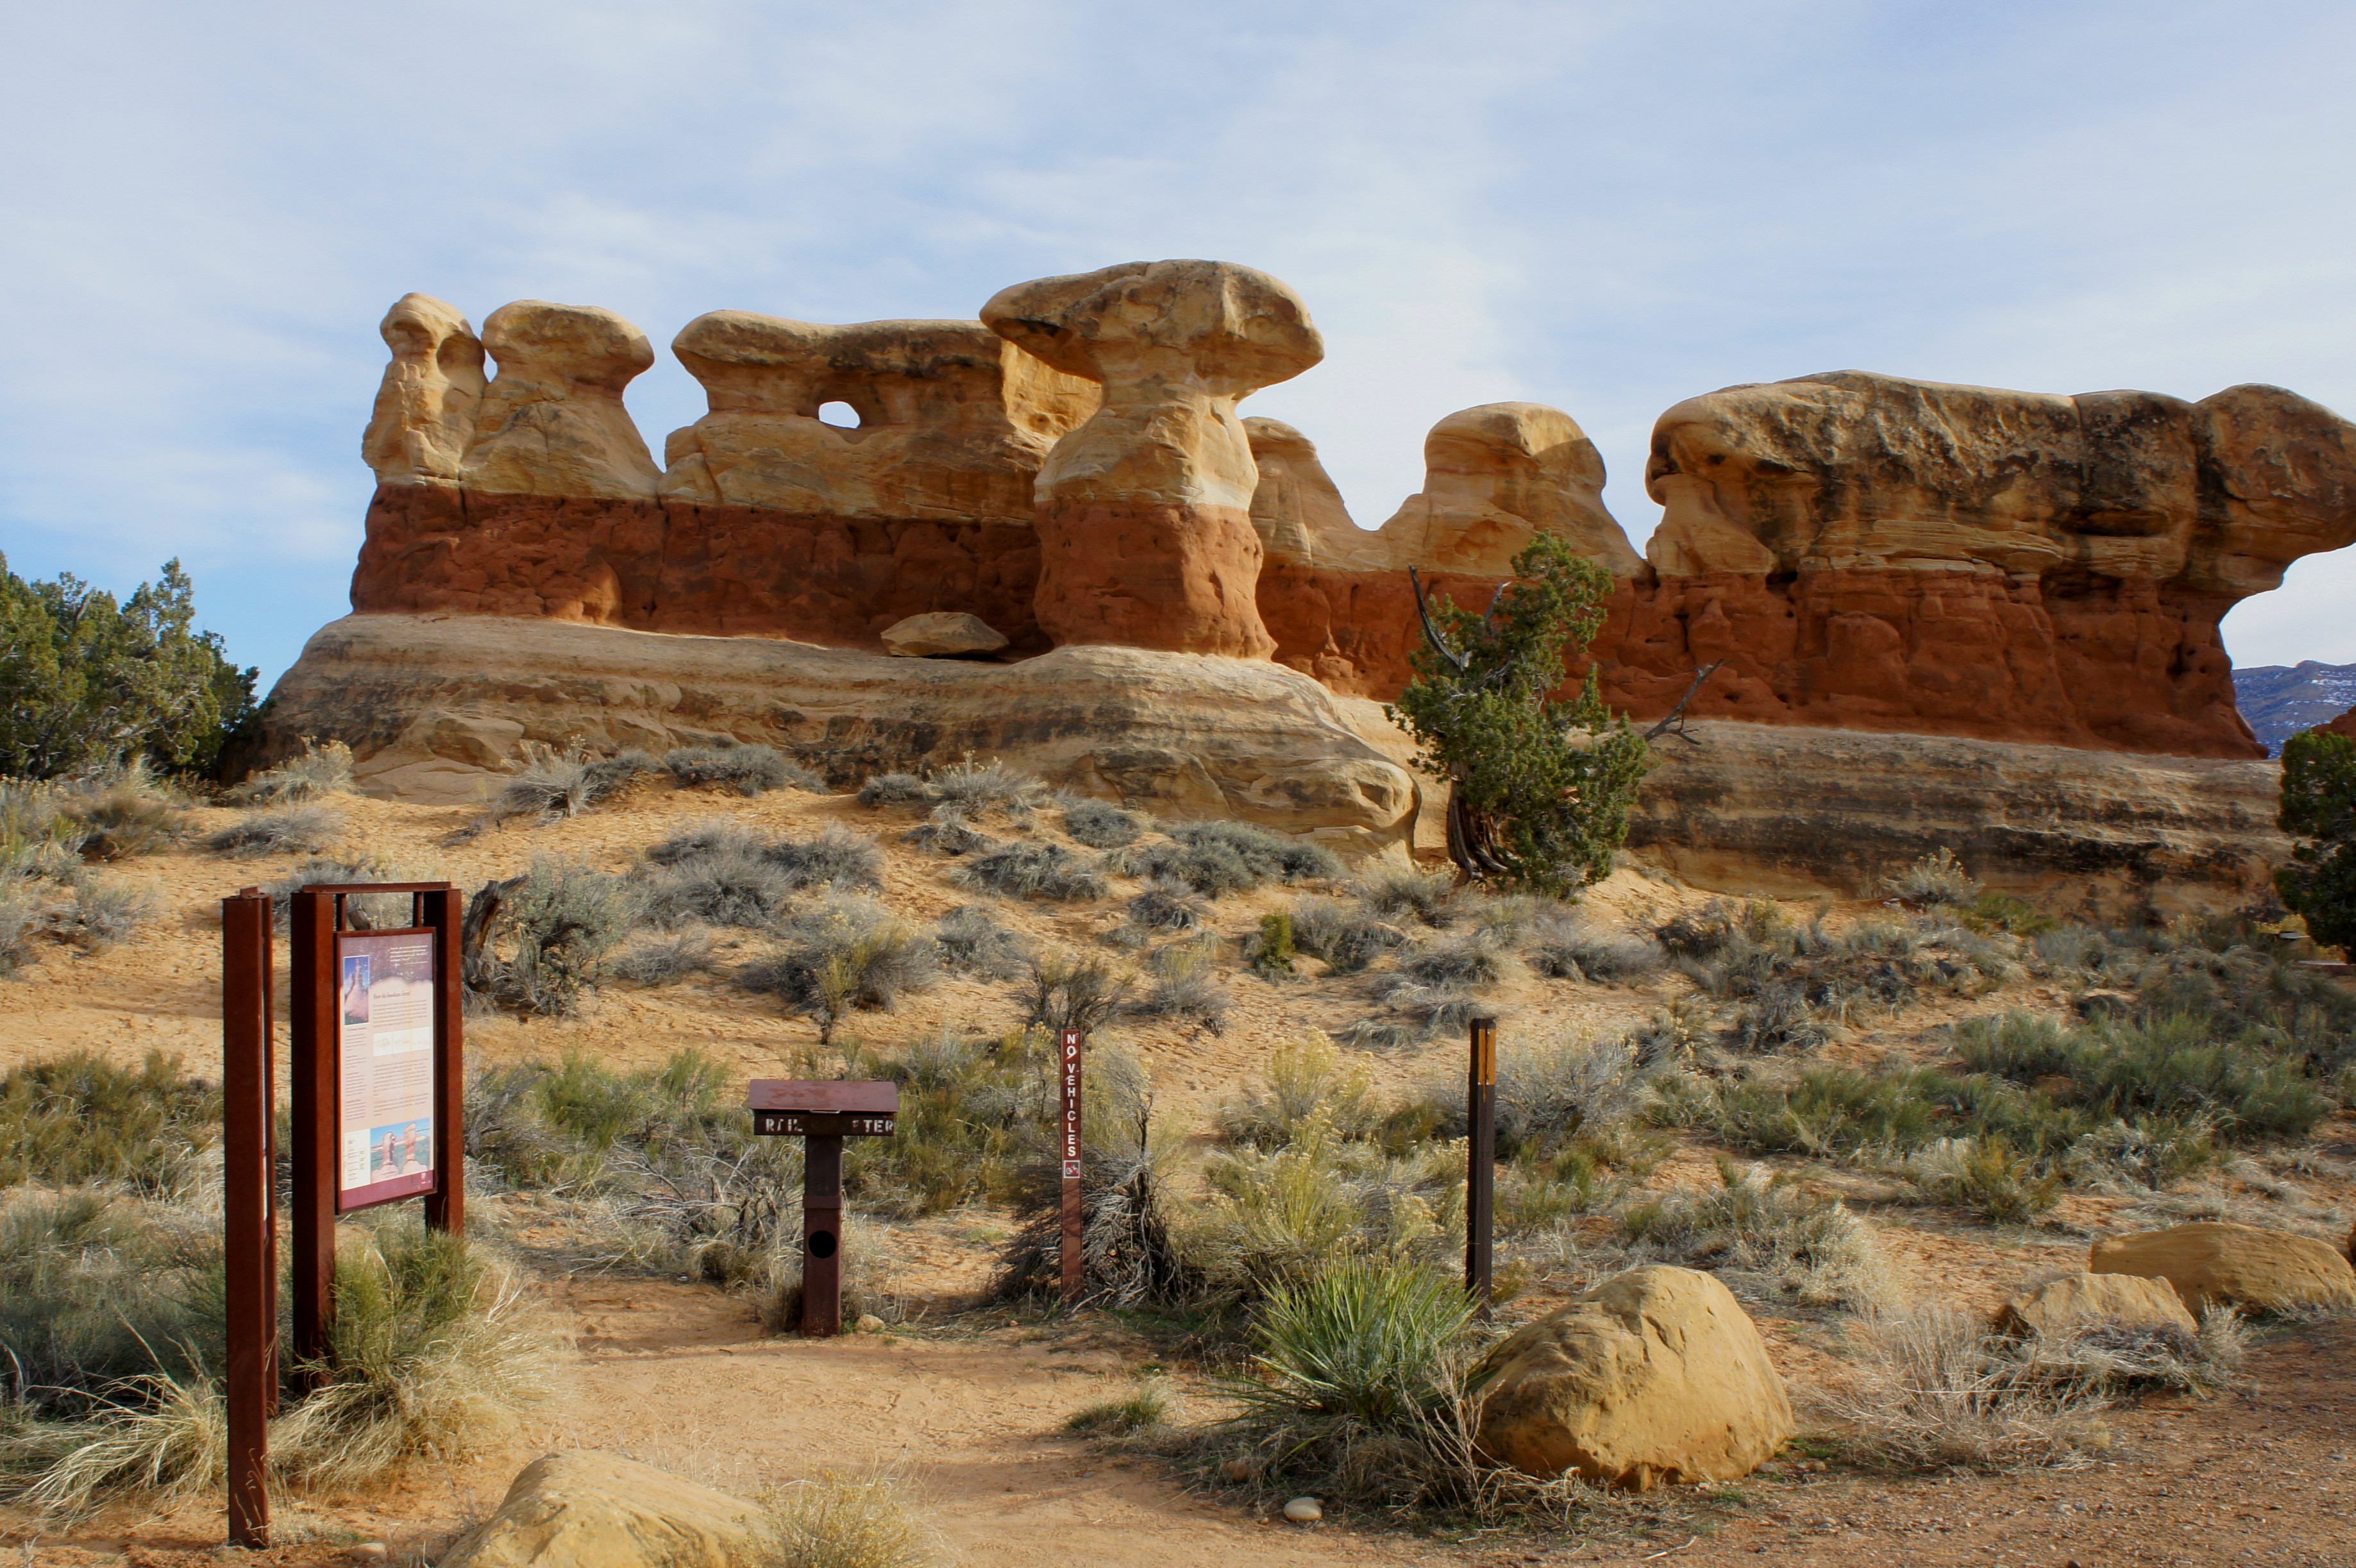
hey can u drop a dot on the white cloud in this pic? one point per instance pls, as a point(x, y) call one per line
point(1607, 207)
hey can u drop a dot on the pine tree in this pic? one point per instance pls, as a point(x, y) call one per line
point(1539, 790)
point(2319, 809)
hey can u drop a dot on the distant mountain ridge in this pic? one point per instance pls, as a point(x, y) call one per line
point(2280, 700)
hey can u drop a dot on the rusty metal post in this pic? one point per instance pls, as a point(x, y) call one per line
point(311, 966)
point(1069, 1054)
point(250, 1238)
point(1480, 1164)
point(821, 1236)
point(445, 1206)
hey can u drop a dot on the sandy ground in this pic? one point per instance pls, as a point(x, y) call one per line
point(967, 1406)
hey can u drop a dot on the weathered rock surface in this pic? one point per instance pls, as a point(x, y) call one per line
point(426, 408)
point(2096, 1301)
point(581, 1509)
point(435, 706)
point(2214, 1263)
point(551, 421)
point(1655, 1376)
point(1295, 505)
point(1144, 511)
point(1763, 809)
point(940, 633)
point(1495, 476)
point(954, 421)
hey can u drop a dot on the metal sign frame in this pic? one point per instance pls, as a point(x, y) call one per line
point(821, 1114)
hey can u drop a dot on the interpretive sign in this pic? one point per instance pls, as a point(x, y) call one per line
point(384, 1021)
point(822, 1114)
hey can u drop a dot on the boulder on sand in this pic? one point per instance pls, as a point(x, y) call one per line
point(2096, 1301)
point(2213, 1263)
point(581, 1509)
point(942, 634)
point(1656, 1375)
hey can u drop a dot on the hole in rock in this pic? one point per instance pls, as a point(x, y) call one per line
point(841, 415)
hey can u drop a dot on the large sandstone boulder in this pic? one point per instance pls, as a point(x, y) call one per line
point(436, 708)
point(426, 406)
point(2076, 1302)
point(1493, 476)
point(1144, 515)
point(582, 1509)
point(1654, 1376)
point(2218, 1264)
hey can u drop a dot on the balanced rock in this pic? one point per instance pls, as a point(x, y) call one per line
point(1656, 1375)
point(942, 634)
point(2219, 1264)
point(2096, 1301)
point(1145, 514)
point(582, 1509)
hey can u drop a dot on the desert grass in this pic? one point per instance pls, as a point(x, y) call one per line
point(747, 770)
point(1768, 1238)
point(279, 830)
point(316, 771)
point(845, 1522)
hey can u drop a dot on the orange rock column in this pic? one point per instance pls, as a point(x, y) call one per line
point(1144, 511)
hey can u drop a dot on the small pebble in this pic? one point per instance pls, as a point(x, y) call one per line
point(869, 1324)
point(1304, 1510)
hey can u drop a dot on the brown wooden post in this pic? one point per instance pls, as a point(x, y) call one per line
point(311, 964)
point(250, 1239)
point(1070, 1050)
point(1480, 1164)
point(821, 1236)
point(445, 1206)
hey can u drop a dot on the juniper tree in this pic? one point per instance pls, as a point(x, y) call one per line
point(1540, 788)
point(2319, 809)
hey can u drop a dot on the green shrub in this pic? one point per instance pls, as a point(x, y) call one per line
point(847, 954)
point(1428, 895)
point(1221, 858)
point(1539, 791)
point(87, 683)
point(2169, 1067)
point(1304, 1077)
point(1145, 1409)
point(1102, 825)
point(1348, 937)
point(1271, 951)
point(1032, 871)
point(1766, 1235)
point(548, 941)
point(79, 1118)
point(973, 943)
point(2319, 810)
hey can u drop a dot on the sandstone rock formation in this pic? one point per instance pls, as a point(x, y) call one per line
point(2077, 1302)
point(1493, 476)
point(426, 408)
point(436, 706)
point(941, 633)
point(954, 421)
point(581, 1509)
point(551, 421)
point(1656, 1375)
point(2218, 1264)
point(1144, 511)
point(1295, 506)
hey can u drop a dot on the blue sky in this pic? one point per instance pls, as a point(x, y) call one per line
point(1606, 207)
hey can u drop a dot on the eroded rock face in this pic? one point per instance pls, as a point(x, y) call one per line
point(1295, 505)
point(581, 1509)
point(436, 707)
point(551, 421)
point(426, 408)
point(2218, 1264)
point(1144, 511)
point(2076, 1302)
point(953, 420)
point(1657, 1376)
point(1493, 476)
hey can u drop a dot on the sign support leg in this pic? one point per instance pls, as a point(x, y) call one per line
point(821, 1236)
point(250, 1237)
point(445, 1206)
point(311, 966)
point(1481, 1166)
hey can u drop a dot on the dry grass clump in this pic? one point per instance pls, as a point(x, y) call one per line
point(552, 785)
point(1070, 991)
point(1562, 946)
point(282, 830)
point(547, 942)
point(946, 833)
point(973, 943)
point(1466, 963)
point(837, 1521)
point(122, 812)
point(316, 771)
point(1146, 1409)
point(663, 958)
point(1032, 871)
point(970, 788)
point(1348, 937)
point(747, 770)
point(1221, 857)
point(1185, 987)
point(847, 954)
point(1168, 906)
point(1304, 1076)
point(1767, 1237)
point(718, 874)
point(1429, 897)
point(1100, 824)
point(1936, 1387)
point(38, 842)
point(1936, 881)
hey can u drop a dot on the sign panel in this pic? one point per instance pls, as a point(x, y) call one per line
point(1070, 1046)
point(384, 1067)
point(840, 1096)
point(822, 1124)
